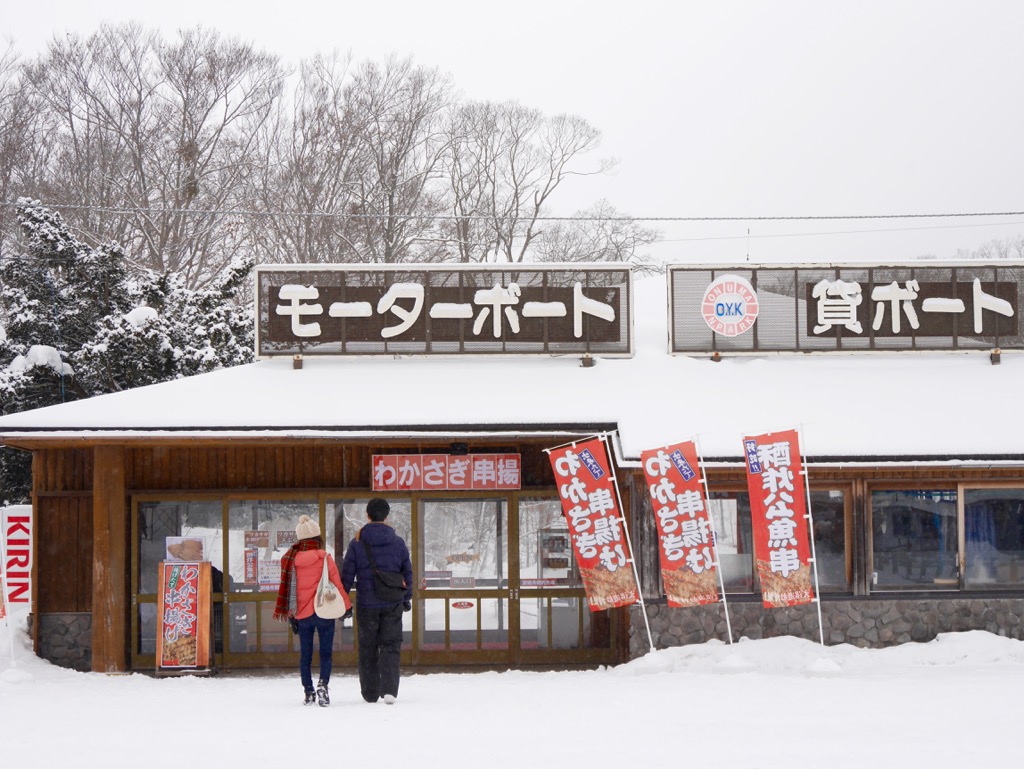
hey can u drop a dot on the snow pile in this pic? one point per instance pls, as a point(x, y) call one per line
point(140, 316)
point(765, 704)
point(40, 355)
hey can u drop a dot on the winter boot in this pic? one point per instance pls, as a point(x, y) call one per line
point(310, 697)
point(323, 699)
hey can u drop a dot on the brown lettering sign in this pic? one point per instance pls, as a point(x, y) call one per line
point(849, 307)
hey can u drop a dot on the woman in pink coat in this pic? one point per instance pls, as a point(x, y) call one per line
point(301, 568)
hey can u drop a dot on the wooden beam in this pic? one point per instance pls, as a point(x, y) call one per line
point(109, 562)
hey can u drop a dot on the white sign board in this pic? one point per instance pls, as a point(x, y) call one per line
point(16, 567)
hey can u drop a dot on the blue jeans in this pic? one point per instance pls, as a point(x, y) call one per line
point(324, 628)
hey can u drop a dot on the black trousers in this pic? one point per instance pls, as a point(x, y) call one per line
point(380, 647)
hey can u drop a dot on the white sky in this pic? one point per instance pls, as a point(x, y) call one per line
point(712, 109)
point(767, 704)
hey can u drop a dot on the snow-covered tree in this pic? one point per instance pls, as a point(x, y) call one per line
point(75, 322)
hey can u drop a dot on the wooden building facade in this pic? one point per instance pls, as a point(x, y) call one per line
point(100, 508)
point(914, 461)
point(904, 552)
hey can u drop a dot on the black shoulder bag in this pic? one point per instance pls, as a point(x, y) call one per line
point(388, 585)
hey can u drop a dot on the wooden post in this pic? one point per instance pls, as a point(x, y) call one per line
point(109, 562)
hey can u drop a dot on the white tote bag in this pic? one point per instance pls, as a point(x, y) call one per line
point(330, 602)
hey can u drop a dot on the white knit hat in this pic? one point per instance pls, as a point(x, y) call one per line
point(307, 528)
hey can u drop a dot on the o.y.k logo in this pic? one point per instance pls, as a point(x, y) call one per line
point(730, 305)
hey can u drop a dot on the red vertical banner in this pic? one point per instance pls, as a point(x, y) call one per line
point(685, 532)
point(778, 509)
point(183, 637)
point(3, 599)
point(585, 485)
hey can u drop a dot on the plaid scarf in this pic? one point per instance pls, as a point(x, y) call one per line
point(285, 606)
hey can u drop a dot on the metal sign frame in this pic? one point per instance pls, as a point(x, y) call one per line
point(847, 307)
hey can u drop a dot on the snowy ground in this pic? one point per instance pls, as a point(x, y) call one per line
point(781, 702)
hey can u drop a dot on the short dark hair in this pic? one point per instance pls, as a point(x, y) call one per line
point(377, 509)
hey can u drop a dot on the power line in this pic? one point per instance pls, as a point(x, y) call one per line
point(749, 236)
point(484, 217)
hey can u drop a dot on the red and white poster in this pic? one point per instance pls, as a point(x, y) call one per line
point(586, 488)
point(255, 539)
point(184, 615)
point(16, 568)
point(445, 472)
point(778, 510)
point(685, 531)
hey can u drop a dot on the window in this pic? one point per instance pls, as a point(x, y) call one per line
point(993, 538)
point(259, 533)
point(914, 538)
point(733, 529)
point(344, 519)
point(828, 510)
point(735, 539)
point(160, 520)
point(546, 556)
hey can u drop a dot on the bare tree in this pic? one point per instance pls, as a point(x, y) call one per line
point(216, 96)
point(474, 155)
point(507, 160)
point(190, 153)
point(995, 250)
point(164, 132)
point(94, 93)
point(310, 163)
point(398, 108)
point(18, 136)
point(599, 234)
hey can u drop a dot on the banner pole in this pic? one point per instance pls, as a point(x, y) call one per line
point(714, 537)
point(629, 543)
point(810, 530)
point(574, 441)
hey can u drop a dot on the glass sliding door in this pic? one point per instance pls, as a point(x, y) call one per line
point(156, 523)
point(553, 612)
point(344, 518)
point(260, 531)
point(463, 561)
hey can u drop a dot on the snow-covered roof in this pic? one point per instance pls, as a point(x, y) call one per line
point(898, 406)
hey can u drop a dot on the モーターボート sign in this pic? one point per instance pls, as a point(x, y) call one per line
point(443, 309)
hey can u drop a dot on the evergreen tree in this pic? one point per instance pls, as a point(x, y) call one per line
point(74, 322)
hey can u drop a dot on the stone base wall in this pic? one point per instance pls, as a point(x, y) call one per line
point(66, 639)
point(873, 623)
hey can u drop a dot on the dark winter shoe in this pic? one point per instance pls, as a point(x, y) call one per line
point(323, 699)
point(310, 697)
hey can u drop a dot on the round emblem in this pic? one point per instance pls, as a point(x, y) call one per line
point(730, 305)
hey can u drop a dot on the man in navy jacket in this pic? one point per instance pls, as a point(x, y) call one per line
point(378, 623)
